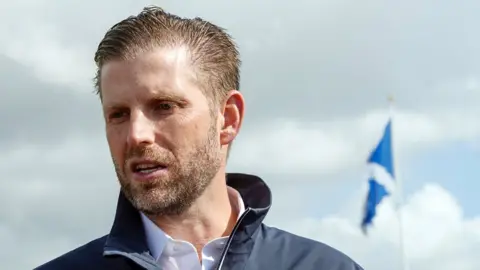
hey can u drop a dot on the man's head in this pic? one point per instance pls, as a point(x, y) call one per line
point(169, 91)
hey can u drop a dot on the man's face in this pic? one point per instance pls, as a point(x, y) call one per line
point(163, 135)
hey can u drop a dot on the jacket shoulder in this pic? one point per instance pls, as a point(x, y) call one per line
point(304, 253)
point(87, 256)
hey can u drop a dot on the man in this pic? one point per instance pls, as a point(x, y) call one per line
point(169, 92)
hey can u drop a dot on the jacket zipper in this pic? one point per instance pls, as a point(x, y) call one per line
point(230, 238)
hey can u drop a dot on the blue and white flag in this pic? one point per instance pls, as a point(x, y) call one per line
point(381, 181)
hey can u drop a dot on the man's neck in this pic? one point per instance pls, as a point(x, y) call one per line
point(210, 217)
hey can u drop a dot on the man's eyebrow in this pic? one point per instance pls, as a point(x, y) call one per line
point(113, 107)
point(157, 97)
point(169, 97)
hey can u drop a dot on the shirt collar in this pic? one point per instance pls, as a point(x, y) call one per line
point(157, 239)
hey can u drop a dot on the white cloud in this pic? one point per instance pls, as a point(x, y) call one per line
point(51, 61)
point(330, 146)
point(50, 37)
point(437, 235)
point(37, 46)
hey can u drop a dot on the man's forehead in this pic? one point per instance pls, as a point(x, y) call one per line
point(164, 72)
point(174, 61)
point(174, 55)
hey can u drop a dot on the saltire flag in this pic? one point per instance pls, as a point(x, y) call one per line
point(381, 180)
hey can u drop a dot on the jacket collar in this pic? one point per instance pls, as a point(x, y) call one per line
point(127, 235)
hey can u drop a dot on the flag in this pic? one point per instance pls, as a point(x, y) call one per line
point(382, 175)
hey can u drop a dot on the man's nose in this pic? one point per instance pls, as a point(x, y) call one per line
point(142, 130)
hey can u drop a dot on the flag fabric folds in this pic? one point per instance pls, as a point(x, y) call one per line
point(382, 175)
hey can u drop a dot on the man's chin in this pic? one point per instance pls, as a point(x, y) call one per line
point(150, 191)
point(157, 206)
point(145, 201)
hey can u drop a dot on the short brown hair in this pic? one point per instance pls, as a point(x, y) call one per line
point(213, 52)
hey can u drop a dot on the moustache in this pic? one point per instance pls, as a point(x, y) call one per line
point(151, 153)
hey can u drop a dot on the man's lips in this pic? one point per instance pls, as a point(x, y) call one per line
point(146, 166)
point(147, 170)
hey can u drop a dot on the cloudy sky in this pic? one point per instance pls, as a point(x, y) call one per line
point(316, 75)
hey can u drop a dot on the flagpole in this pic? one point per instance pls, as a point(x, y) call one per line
point(399, 188)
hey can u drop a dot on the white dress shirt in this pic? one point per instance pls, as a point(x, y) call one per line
point(174, 254)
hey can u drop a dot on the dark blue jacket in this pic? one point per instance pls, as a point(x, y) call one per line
point(251, 246)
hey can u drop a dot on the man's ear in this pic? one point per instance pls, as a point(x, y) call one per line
point(233, 111)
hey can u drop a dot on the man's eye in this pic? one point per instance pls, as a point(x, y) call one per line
point(116, 115)
point(165, 106)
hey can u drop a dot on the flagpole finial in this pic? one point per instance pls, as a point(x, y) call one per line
point(390, 98)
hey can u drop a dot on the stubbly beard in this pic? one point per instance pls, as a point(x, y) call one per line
point(186, 180)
